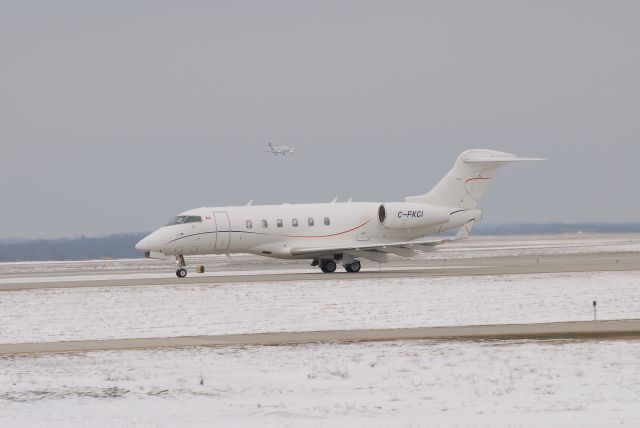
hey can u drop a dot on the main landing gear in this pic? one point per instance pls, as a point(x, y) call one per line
point(329, 266)
point(353, 267)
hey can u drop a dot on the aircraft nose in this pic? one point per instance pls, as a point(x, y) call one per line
point(143, 244)
point(148, 243)
point(152, 242)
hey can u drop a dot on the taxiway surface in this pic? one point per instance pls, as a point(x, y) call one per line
point(502, 265)
point(617, 329)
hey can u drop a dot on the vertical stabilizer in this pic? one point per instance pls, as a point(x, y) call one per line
point(464, 185)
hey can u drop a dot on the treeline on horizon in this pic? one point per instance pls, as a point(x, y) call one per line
point(116, 246)
point(121, 245)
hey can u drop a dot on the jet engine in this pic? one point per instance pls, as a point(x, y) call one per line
point(400, 215)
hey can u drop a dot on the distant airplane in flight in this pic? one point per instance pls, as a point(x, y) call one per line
point(332, 233)
point(280, 150)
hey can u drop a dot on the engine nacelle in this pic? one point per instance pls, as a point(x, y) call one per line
point(400, 215)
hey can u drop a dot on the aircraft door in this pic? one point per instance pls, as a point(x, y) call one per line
point(212, 234)
point(224, 230)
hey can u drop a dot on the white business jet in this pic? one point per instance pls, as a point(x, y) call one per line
point(280, 150)
point(331, 233)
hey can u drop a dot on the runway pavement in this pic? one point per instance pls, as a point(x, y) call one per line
point(589, 262)
point(619, 329)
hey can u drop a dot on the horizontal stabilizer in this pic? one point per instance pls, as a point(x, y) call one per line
point(501, 159)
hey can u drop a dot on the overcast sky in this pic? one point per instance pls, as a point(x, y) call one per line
point(116, 115)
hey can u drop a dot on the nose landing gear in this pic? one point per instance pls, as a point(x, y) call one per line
point(181, 272)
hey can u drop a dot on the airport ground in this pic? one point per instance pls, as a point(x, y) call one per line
point(484, 329)
point(480, 257)
point(299, 271)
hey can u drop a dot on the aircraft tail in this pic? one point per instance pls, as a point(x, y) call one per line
point(465, 184)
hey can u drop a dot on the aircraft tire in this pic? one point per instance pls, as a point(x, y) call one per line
point(328, 266)
point(181, 273)
point(354, 267)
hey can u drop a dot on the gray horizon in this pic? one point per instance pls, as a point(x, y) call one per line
point(117, 115)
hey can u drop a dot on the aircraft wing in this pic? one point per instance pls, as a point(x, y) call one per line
point(400, 248)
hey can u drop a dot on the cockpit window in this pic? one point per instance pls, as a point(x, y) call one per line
point(182, 219)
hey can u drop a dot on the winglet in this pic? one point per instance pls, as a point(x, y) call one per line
point(463, 232)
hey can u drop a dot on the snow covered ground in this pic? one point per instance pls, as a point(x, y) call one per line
point(535, 247)
point(179, 310)
point(406, 384)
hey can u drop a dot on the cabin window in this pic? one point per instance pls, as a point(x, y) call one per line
point(294, 222)
point(311, 222)
point(327, 221)
point(249, 224)
point(279, 222)
point(264, 224)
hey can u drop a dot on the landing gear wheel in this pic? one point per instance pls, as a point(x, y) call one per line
point(328, 266)
point(353, 267)
point(181, 273)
